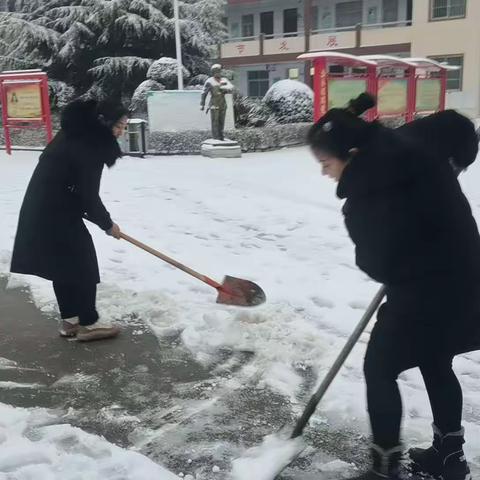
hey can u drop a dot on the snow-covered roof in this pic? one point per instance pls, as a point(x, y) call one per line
point(343, 58)
point(388, 61)
point(428, 63)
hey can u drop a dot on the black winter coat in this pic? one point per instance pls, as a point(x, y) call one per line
point(414, 232)
point(52, 240)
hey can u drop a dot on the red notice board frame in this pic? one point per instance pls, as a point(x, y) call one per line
point(22, 79)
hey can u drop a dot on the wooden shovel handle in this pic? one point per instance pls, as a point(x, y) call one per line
point(170, 261)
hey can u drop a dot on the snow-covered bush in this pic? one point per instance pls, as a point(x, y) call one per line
point(60, 94)
point(290, 101)
point(251, 112)
point(164, 71)
point(139, 99)
point(198, 80)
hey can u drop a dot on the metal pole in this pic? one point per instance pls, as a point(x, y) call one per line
point(178, 44)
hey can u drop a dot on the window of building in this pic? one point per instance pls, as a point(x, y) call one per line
point(455, 77)
point(290, 22)
point(390, 11)
point(348, 14)
point(372, 15)
point(266, 24)
point(248, 29)
point(315, 18)
point(258, 83)
point(293, 73)
point(445, 9)
point(234, 30)
point(326, 20)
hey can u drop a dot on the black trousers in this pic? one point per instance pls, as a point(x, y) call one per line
point(77, 300)
point(395, 347)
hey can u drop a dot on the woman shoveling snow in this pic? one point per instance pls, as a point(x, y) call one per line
point(414, 232)
point(52, 240)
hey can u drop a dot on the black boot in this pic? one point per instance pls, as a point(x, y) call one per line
point(385, 464)
point(428, 460)
point(444, 459)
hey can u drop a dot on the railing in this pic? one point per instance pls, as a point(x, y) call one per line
point(319, 39)
point(363, 26)
point(317, 31)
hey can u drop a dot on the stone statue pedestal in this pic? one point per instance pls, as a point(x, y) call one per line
point(221, 148)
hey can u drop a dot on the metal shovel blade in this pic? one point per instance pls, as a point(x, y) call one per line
point(239, 292)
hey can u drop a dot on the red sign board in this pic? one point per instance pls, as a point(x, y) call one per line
point(25, 103)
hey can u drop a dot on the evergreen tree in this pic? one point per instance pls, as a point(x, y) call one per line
point(108, 44)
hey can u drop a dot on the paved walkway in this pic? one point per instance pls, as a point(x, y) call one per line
point(140, 392)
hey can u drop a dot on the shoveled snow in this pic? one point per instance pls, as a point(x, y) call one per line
point(266, 461)
point(271, 218)
point(34, 445)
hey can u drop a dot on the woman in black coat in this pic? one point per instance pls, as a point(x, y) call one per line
point(414, 232)
point(52, 240)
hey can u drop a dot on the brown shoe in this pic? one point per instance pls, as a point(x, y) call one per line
point(97, 331)
point(69, 328)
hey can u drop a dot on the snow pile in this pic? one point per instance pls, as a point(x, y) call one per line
point(139, 99)
point(266, 461)
point(34, 446)
point(164, 71)
point(291, 101)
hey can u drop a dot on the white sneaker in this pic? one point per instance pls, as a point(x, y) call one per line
point(100, 330)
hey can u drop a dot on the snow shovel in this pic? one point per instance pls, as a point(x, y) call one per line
point(258, 463)
point(233, 291)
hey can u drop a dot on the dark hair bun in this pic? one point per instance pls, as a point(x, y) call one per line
point(365, 101)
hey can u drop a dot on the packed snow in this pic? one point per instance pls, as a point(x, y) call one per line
point(270, 218)
point(34, 446)
point(266, 461)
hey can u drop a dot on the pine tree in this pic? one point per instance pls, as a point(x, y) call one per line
point(108, 43)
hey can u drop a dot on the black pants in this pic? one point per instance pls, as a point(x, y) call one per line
point(395, 347)
point(77, 300)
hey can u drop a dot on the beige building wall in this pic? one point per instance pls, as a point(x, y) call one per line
point(452, 37)
point(426, 38)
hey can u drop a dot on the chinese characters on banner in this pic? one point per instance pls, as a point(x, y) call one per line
point(332, 42)
point(241, 48)
point(323, 92)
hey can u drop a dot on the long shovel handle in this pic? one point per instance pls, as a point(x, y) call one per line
point(322, 389)
point(170, 261)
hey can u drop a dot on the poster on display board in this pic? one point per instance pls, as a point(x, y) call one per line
point(25, 103)
point(24, 100)
point(429, 91)
point(340, 91)
point(392, 96)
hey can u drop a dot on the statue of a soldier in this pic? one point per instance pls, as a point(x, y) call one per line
point(217, 86)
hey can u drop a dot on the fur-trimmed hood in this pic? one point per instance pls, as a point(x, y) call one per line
point(82, 122)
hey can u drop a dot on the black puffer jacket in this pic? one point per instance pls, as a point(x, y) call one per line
point(406, 213)
point(52, 240)
point(414, 231)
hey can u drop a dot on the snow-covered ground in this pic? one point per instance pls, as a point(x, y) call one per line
point(33, 446)
point(271, 218)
